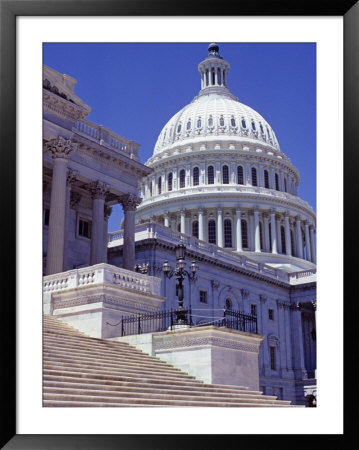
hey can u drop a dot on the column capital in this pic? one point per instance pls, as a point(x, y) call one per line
point(219, 210)
point(98, 189)
point(107, 212)
point(130, 202)
point(200, 209)
point(298, 218)
point(72, 176)
point(272, 211)
point(263, 298)
point(60, 147)
point(245, 293)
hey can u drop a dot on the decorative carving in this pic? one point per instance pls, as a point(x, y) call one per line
point(263, 298)
point(215, 284)
point(98, 189)
point(60, 147)
point(130, 202)
point(71, 177)
point(245, 293)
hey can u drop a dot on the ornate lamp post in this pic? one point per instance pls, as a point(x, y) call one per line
point(180, 273)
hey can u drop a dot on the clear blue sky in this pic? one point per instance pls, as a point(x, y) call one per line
point(134, 89)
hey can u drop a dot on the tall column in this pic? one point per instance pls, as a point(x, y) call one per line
point(307, 241)
point(297, 339)
point(61, 150)
point(239, 230)
point(219, 227)
point(288, 245)
point(312, 244)
point(279, 235)
point(257, 242)
point(107, 213)
point(129, 205)
point(266, 232)
point(299, 238)
point(167, 220)
point(98, 190)
point(273, 231)
point(70, 179)
point(200, 224)
point(183, 221)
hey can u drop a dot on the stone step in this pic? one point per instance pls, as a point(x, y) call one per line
point(150, 392)
point(117, 365)
point(154, 402)
point(51, 380)
point(88, 404)
point(73, 367)
point(119, 355)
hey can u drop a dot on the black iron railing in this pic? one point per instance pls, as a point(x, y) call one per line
point(166, 320)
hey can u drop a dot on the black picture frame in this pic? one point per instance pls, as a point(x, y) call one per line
point(9, 10)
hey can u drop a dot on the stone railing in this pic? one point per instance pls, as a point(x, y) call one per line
point(154, 230)
point(106, 137)
point(99, 274)
point(302, 276)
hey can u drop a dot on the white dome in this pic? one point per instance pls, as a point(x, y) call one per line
point(216, 114)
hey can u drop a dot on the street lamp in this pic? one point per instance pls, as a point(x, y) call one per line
point(180, 273)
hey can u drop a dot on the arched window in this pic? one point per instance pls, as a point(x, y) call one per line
point(285, 185)
point(199, 123)
point(266, 179)
point(244, 125)
point(195, 229)
point(169, 181)
point(221, 122)
point(195, 176)
point(151, 188)
point(254, 176)
point(233, 122)
point(159, 185)
point(210, 175)
point(261, 127)
point(227, 233)
point(212, 232)
point(219, 76)
point(261, 235)
point(276, 181)
point(228, 303)
point(188, 125)
point(213, 79)
point(292, 241)
point(182, 178)
point(207, 81)
point(210, 122)
point(244, 233)
point(253, 126)
point(225, 175)
point(179, 128)
point(282, 235)
point(240, 178)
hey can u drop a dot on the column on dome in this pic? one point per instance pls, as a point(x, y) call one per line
point(288, 245)
point(129, 205)
point(307, 241)
point(238, 230)
point(266, 233)
point(98, 190)
point(219, 227)
point(312, 244)
point(279, 235)
point(61, 150)
point(70, 180)
point(216, 75)
point(257, 242)
point(166, 219)
point(273, 230)
point(299, 237)
point(183, 220)
point(200, 224)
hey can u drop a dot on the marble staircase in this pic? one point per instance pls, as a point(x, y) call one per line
point(82, 371)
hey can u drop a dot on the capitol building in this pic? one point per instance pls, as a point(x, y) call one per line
point(218, 186)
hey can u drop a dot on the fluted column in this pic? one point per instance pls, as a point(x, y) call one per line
point(279, 236)
point(307, 241)
point(61, 150)
point(200, 224)
point(297, 336)
point(299, 238)
point(273, 231)
point(312, 245)
point(183, 221)
point(239, 230)
point(288, 245)
point(257, 242)
point(219, 227)
point(129, 205)
point(107, 213)
point(167, 219)
point(70, 179)
point(266, 232)
point(98, 191)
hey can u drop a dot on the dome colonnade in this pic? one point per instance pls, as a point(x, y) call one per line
point(219, 175)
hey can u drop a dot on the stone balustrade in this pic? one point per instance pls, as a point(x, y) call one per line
point(105, 136)
point(98, 274)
